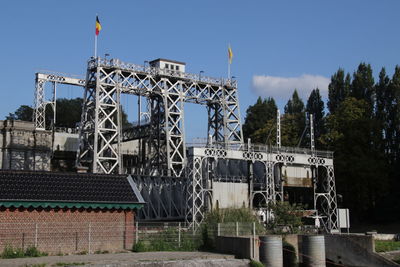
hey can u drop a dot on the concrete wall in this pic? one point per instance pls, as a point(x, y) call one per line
point(22, 148)
point(241, 247)
point(230, 195)
point(66, 141)
point(354, 250)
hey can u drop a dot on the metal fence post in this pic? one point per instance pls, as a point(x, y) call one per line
point(137, 232)
point(179, 235)
point(237, 229)
point(89, 236)
point(254, 240)
point(36, 235)
point(219, 229)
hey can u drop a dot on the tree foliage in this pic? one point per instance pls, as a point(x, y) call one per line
point(362, 128)
point(257, 117)
point(68, 113)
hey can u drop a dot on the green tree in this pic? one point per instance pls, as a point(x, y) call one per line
point(68, 113)
point(360, 168)
point(257, 117)
point(338, 89)
point(315, 106)
point(362, 86)
point(293, 121)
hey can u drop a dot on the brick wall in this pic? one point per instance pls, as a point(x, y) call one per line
point(67, 230)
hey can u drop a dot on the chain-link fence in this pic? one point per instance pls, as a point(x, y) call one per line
point(72, 237)
point(101, 237)
point(169, 236)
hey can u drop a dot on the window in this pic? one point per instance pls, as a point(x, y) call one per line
point(167, 66)
point(177, 67)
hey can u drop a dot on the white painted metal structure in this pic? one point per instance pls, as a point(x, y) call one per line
point(177, 181)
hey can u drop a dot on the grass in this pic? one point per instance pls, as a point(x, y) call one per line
point(35, 265)
point(11, 253)
point(168, 241)
point(384, 246)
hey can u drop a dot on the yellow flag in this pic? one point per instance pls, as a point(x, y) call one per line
point(230, 54)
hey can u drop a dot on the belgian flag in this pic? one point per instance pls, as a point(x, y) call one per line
point(98, 26)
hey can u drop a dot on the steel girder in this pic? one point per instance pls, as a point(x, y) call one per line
point(100, 134)
point(40, 103)
point(325, 197)
point(199, 159)
point(39, 117)
point(167, 91)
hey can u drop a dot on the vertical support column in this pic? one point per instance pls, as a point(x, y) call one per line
point(158, 162)
point(224, 124)
point(85, 155)
point(270, 184)
point(39, 117)
point(195, 200)
point(278, 129)
point(232, 126)
point(100, 129)
point(312, 135)
point(215, 124)
point(332, 213)
point(174, 127)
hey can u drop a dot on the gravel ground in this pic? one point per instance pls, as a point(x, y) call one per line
point(123, 259)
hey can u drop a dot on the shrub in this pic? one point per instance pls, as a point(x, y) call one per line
point(254, 263)
point(9, 252)
point(285, 214)
point(34, 252)
point(230, 215)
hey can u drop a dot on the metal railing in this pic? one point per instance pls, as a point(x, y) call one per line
point(104, 62)
point(265, 149)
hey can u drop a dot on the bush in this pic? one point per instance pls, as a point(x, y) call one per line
point(34, 252)
point(10, 253)
point(285, 214)
point(254, 263)
point(230, 215)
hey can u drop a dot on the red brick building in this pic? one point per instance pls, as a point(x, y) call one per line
point(67, 212)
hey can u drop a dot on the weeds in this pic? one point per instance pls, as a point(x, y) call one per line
point(10, 253)
point(384, 245)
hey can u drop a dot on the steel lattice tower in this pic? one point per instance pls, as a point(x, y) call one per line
point(166, 91)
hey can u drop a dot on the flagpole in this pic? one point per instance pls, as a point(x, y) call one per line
point(95, 46)
point(229, 70)
point(229, 62)
point(95, 39)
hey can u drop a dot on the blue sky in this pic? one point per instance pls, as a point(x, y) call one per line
point(277, 45)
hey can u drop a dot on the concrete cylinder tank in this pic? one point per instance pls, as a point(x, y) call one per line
point(271, 250)
point(314, 250)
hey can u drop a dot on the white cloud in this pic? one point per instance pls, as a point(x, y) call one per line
point(281, 88)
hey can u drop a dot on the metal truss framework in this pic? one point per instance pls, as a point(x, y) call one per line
point(40, 102)
point(166, 91)
point(324, 197)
